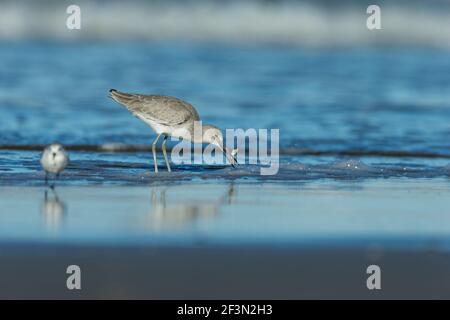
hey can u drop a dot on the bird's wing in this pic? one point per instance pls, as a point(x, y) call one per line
point(162, 109)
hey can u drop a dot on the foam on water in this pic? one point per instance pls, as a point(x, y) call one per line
point(92, 168)
point(352, 166)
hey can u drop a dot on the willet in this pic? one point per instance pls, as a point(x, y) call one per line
point(167, 115)
point(54, 159)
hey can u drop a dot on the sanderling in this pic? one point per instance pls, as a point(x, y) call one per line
point(166, 115)
point(54, 159)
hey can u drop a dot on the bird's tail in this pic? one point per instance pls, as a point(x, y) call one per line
point(121, 97)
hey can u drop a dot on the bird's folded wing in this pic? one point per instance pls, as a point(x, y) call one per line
point(161, 109)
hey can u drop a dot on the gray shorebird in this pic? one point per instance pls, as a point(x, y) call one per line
point(54, 159)
point(167, 115)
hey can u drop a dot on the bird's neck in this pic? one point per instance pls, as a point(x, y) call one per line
point(197, 134)
point(193, 134)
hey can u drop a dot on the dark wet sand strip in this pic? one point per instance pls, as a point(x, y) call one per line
point(38, 272)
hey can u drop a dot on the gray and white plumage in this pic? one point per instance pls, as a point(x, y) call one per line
point(167, 115)
point(165, 110)
point(54, 158)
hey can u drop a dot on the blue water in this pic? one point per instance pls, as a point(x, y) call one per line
point(324, 99)
point(344, 105)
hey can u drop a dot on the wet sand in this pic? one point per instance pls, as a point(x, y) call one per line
point(225, 240)
point(203, 272)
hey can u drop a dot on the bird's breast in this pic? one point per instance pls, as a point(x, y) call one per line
point(181, 131)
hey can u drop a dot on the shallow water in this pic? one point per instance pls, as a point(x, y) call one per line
point(363, 139)
point(373, 99)
point(127, 169)
point(403, 213)
point(344, 105)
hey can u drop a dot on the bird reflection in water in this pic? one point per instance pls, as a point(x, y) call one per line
point(166, 215)
point(53, 210)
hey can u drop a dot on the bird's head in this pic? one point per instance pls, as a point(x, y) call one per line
point(213, 135)
point(54, 149)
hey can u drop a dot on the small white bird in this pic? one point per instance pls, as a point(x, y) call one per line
point(54, 159)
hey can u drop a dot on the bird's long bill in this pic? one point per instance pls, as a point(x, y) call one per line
point(227, 152)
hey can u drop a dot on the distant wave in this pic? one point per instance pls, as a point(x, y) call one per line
point(306, 23)
point(121, 147)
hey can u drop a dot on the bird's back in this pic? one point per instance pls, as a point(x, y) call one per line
point(164, 110)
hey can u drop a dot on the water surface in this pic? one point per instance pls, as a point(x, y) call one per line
point(386, 99)
point(363, 139)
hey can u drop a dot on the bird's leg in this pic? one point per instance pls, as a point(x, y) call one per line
point(55, 195)
point(54, 181)
point(154, 152)
point(165, 153)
